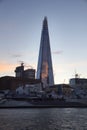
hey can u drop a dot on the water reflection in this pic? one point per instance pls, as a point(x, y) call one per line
point(43, 119)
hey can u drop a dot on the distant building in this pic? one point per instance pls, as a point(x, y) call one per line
point(79, 87)
point(60, 89)
point(21, 73)
point(29, 73)
point(75, 82)
point(12, 83)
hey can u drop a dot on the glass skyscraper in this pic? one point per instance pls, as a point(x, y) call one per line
point(44, 69)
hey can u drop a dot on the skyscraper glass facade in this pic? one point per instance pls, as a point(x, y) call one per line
point(44, 69)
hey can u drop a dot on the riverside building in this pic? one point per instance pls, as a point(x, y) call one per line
point(45, 69)
point(21, 73)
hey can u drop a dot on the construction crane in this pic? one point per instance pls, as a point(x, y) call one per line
point(25, 65)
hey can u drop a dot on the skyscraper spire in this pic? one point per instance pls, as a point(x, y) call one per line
point(44, 69)
point(45, 24)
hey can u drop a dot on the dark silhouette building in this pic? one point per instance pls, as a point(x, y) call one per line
point(21, 73)
point(11, 83)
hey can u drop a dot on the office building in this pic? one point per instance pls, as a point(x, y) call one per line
point(45, 69)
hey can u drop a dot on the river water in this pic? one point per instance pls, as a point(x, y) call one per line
point(43, 119)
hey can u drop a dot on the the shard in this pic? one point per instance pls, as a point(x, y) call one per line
point(44, 69)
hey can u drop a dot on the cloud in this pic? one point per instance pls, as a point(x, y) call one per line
point(16, 55)
point(57, 52)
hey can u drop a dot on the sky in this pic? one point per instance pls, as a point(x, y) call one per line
point(20, 34)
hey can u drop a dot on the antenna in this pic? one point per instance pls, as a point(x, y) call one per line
point(28, 66)
point(21, 62)
point(25, 64)
point(77, 75)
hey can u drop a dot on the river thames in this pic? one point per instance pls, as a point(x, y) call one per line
point(43, 119)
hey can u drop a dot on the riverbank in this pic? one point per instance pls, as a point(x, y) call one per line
point(10, 103)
